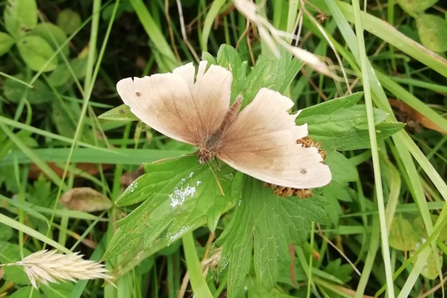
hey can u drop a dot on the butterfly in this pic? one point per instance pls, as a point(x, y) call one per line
point(193, 106)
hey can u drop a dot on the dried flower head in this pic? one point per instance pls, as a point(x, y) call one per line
point(48, 266)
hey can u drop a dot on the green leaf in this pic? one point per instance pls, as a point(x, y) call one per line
point(68, 20)
point(419, 227)
point(340, 125)
point(267, 224)
point(14, 91)
point(342, 170)
point(274, 74)
point(330, 106)
point(354, 139)
point(64, 124)
point(342, 272)
point(20, 15)
point(10, 253)
point(120, 113)
point(413, 7)
point(402, 235)
point(228, 57)
point(5, 232)
point(40, 192)
point(208, 57)
point(26, 293)
point(36, 52)
point(59, 76)
point(430, 268)
point(53, 35)
point(431, 30)
point(282, 71)
point(178, 193)
point(58, 290)
point(6, 42)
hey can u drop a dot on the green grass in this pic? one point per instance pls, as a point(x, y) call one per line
point(52, 141)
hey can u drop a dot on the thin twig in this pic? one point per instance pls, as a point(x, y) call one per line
point(339, 251)
point(183, 30)
point(171, 33)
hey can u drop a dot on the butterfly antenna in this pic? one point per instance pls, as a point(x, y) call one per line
point(217, 179)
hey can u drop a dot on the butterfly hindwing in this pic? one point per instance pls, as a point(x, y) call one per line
point(261, 143)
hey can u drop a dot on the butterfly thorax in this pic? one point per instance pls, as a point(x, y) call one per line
point(210, 144)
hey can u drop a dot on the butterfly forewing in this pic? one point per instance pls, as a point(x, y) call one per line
point(177, 105)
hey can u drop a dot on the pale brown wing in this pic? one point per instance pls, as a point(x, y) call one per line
point(182, 105)
point(211, 92)
point(261, 143)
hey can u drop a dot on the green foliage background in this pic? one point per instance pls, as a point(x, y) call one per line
point(379, 226)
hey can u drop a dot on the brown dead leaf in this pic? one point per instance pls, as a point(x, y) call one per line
point(85, 199)
point(416, 116)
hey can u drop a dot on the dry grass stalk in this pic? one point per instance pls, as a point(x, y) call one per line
point(48, 266)
point(273, 37)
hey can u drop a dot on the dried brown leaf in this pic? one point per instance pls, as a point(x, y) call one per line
point(85, 199)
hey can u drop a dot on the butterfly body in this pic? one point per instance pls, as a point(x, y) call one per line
point(209, 148)
point(193, 106)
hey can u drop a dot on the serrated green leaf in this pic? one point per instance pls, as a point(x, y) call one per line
point(273, 74)
point(267, 224)
point(10, 253)
point(20, 15)
point(53, 35)
point(282, 71)
point(342, 170)
point(40, 93)
point(342, 272)
point(40, 192)
point(402, 235)
point(120, 113)
point(68, 20)
point(431, 30)
point(228, 57)
point(413, 7)
point(177, 193)
point(36, 52)
point(6, 42)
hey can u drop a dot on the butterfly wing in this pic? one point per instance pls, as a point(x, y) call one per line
point(261, 142)
point(182, 105)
